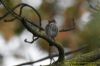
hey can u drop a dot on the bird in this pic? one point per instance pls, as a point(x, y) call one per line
point(51, 30)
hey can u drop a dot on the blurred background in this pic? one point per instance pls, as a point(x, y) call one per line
point(13, 49)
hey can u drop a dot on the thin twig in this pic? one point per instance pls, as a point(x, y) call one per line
point(34, 39)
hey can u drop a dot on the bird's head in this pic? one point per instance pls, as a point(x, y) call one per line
point(52, 21)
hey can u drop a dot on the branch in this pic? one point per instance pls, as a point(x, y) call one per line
point(8, 12)
point(26, 5)
point(85, 58)
point(56, 55)
point(33, 40)
point(20, 13)
point(11, 11)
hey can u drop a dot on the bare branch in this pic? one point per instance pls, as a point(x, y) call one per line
point(26, 5)
point(56, 55)
point(34, 39)
point(11, 11)
point(20, 13)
